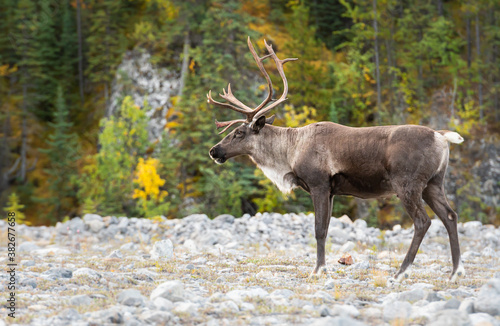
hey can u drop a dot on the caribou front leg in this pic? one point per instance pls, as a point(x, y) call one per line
point(322, 201)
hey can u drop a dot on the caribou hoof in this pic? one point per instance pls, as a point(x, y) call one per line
point(318, 272)
point(402, 276)
point(459, 272)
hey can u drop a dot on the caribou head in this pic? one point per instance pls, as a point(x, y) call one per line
point(242, 140)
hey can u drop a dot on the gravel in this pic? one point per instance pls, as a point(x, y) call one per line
point(250, 270)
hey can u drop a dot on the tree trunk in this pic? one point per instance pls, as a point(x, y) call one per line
point(185, 63)
point(22, 171)
point(80, 50)
point(469, 42)
point(440, 7)
point(495, 79)
point(479, 76)
point(377, 65)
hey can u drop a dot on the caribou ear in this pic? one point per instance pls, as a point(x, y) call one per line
point(270, 120)
point(259, 124)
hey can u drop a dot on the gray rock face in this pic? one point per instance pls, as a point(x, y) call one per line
point(138, 77)
point(131, 297)
point(488, 300)
point(163, 249)
point(171, 290)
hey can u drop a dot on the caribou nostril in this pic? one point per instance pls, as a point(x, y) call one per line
point(212, 152)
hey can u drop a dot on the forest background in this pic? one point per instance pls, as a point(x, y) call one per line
point(64, 151)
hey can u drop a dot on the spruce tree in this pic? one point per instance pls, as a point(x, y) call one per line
point(63, 154)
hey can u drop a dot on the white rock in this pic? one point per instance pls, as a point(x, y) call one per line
point(396, 310)
point(131, 297)
point(186, 308)
point(87, 272)
point(163, 304)
point(240, 295)
point(346, 247)
point(171, 290)
point(163, 249)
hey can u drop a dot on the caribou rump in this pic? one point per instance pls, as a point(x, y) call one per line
point(327, 159)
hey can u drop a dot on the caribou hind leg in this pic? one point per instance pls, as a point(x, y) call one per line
point(322, 201)
point(435, 197)
point(411, 198)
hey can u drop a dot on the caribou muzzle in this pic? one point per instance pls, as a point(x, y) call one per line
point(217, 154)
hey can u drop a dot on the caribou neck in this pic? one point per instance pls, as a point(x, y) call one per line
point(272, 153)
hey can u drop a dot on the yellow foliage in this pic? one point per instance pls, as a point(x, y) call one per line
point(294, 119)
point(149, 181)
point(167, 8)
point(469, 119)
point(5, 70)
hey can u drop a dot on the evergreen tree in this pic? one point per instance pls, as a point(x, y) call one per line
point(47, 60)
point(106, 42)
point(63, 154)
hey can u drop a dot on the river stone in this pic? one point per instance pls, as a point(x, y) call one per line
point(337, 321)
point(91, 217)
point(240, 295)
point(450, 317)
point(412, 295)
point(87, 272)
point(80, 300)
point(56, 273)
point(346, 247)
point(453, 303)
point(95, 225)
point(488, 300)
point(186, 308)
point(163, 304)
point(396, 310)
point(155, 317)
point(483, 319)
point(170, 290)
point(163, 249)
point(27, 247)
point(131, 297)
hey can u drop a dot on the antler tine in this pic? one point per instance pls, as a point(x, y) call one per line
point(262, 109)
point(227, 124)
point(227, 105)
point(231, 99)
point(259, 61)
point(279, 66)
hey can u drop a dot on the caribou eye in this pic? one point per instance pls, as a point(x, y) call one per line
point(239, 133)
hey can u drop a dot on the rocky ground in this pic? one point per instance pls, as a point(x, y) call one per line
point(251, 270)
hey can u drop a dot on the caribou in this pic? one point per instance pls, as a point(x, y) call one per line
point(327, 159)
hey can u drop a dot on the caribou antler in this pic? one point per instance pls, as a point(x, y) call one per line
point(262, 109)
